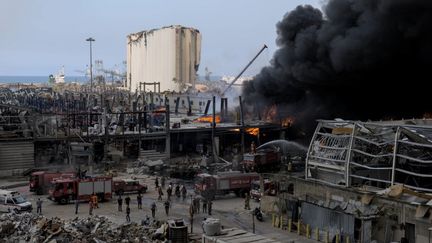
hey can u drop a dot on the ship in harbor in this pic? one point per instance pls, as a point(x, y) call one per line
point(58, 78)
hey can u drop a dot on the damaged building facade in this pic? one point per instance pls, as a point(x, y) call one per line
point(169, 56)
point(365, 181)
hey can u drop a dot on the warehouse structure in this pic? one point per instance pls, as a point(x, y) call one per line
point(366, 181)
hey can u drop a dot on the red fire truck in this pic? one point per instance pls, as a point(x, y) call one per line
point(265, 160)
point(128, 185)
point(40, 181)
point(65, 190)
point(224, 182)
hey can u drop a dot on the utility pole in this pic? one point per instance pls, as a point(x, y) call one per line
point(91, 63)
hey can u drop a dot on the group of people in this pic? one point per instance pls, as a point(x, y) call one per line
point(127, 201)
point(179, 190)
point(153, 207)
point(206, 205)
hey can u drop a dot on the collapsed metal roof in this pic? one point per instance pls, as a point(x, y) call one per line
point(379, 154)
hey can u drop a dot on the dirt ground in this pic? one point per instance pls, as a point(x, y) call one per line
point(229, 209)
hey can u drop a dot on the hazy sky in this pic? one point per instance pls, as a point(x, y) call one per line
point(39, 36)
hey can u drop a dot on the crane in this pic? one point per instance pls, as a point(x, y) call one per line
point(244, 69)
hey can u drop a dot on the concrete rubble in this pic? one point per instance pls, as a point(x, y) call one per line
point(28, 227)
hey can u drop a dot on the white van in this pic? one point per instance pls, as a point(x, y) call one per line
point(12, 201)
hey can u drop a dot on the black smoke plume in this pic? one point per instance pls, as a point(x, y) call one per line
point(358, 59)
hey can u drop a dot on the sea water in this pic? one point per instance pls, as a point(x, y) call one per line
point(39, 79)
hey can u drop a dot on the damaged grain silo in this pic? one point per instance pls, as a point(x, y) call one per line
point(169, 56)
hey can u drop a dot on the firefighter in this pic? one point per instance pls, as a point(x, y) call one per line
point(39, 206)
point(169, 191)
point(120, 203)
point(167, 206)
point(191, 214)
point(153, 209)
point(94, 199)
point(177, 191)
point(184, 192)
point(128, 213)
point(253, 148)
point(139, 201)
point(76, 205)
point(90, 207)
point(127, 201)
point(210, 203)
point(197, 205)
point(247, 201)
point(204, 205)
point(157, 182)
point(163, 181)
point(160, 192)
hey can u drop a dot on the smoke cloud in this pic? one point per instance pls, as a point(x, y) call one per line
point(358, 59)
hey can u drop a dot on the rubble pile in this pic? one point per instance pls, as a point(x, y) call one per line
point(144, 166)
point(28, 227)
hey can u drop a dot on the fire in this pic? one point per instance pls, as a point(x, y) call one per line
point(160, 109)
point(270, 114)
point(427, 115)
point(252, 131)
point(288, 121)
point(208, 119)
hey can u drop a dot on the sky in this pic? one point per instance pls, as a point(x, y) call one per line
point(38, 37)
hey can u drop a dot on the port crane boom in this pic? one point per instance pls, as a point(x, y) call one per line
point(244, 69)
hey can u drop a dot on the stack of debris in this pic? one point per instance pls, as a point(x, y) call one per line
point(144, 166)
point(28, 227)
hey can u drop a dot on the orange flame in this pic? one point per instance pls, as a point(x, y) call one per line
point(252, 131)
point(208, 119)
point(270, 114)
point(288, 121)
point(159, 109)
point(427, 115)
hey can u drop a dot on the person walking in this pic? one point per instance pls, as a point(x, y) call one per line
point(160, 192)
point(90, 207)
point(163, 181)
point(76, 206)
point(127, 201)
point(177, 191)
point(94, 199)
point(210, 203)
point(169, 192)
point(157, 182)
point(139, 201)
point(39, 206)
point(204, 205)
point(153, 209)
point(247, 201)
point(120, 203)
point(167, 206)
point(184, 192)
point(128, 214)
point(197, 205)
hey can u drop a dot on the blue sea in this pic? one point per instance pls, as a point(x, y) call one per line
point(39, 79)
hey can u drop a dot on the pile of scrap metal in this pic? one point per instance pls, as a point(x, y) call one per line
point(184, 167)
point(145, 166)
point(28, 227)
point(378, 154)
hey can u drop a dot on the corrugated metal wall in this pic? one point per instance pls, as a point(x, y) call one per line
point(325, 218)
point(16, 155)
